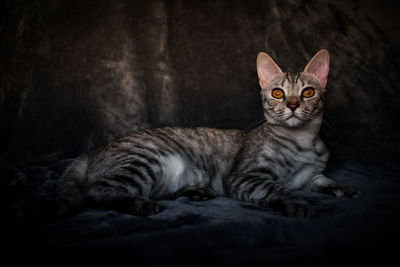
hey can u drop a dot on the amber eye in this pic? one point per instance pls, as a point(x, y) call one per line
point(278, 93)
point(308, 92)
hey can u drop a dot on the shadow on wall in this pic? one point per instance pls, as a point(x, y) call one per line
point(75, 74)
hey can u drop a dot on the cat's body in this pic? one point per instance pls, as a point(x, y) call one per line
point(259, 166)
point(164, 161)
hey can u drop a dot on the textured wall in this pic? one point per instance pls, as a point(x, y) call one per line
point(75, 74)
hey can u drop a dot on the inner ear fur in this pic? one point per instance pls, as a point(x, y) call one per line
point(319, 67)
point(266, 69)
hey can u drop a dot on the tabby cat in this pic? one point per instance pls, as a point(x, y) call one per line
point(261, 166)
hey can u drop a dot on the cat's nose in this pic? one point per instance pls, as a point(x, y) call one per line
point(293, 105)
point(293, 102)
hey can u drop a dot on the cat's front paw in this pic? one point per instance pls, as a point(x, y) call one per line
point(328, 186)
point(341, 190)
point(195, 194)
point(292, 207)
point(144, 207)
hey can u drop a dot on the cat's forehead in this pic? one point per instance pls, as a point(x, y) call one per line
point(292, 79)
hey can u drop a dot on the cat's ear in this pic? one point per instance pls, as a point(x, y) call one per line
point(266, 69)
point(319, 66)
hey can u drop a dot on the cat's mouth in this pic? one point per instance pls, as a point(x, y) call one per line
point(294, 116)
point(294, 120)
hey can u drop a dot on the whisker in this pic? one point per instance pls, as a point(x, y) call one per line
point(256, 123)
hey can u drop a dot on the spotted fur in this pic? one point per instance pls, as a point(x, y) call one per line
point(261, 166)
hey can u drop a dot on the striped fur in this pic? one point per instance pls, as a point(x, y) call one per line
point(261, 166)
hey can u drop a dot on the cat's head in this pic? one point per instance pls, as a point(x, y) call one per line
point(293, 99)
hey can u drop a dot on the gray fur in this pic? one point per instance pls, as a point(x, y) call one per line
point(261, 166)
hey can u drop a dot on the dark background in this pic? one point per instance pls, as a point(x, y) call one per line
point(76, 74)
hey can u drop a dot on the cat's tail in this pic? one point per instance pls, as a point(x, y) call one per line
point(68, 189)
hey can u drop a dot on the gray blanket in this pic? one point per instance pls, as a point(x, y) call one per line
point(217, 231)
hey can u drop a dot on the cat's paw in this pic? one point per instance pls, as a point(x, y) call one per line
point(292, 207)
point(341, 190)
point(144, 207)
point(196, 194)
point(200, 194)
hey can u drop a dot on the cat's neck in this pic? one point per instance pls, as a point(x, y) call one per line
point(306, 135)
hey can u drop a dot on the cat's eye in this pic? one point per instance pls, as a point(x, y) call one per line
point(308, 92)
point(278, 93)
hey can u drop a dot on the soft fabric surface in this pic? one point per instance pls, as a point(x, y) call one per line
point(216, 231)
point(76, 74)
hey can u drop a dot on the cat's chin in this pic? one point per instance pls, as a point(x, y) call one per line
point(293, 122)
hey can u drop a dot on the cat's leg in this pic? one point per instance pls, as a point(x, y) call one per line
point(265, 191)
point(106, 196)
point(320, 183)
